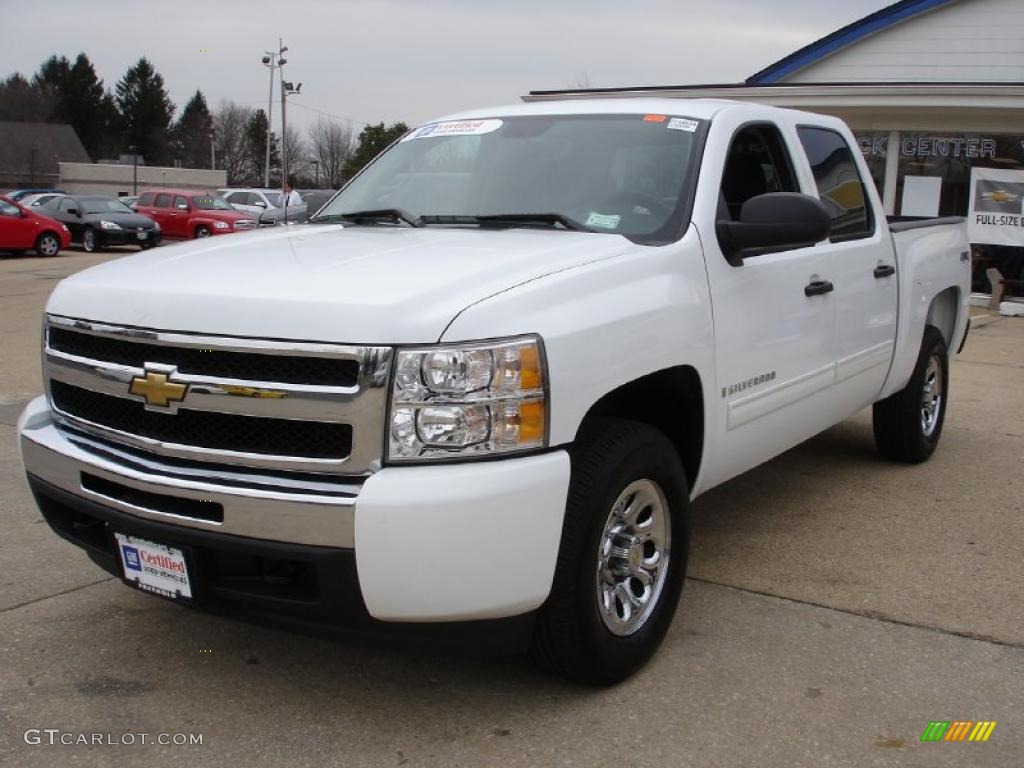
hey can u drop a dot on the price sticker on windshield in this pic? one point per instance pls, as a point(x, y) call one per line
point(682, 124)
point(454, 128)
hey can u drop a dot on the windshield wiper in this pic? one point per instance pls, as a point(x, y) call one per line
point(505, 220)
point(532, 218)
point(378, 214)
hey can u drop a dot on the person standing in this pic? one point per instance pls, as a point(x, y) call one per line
point(291, 197)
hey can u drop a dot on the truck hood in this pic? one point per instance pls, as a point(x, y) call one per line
point(357, 285)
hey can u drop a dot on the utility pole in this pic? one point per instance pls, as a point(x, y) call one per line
point(135, 169)
point(287, 89)
point(272, 60)
point(213, 152)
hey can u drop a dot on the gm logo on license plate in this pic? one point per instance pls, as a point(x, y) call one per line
point(131, 558)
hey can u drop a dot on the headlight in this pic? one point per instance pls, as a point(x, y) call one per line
point(465, 400)
point(109, 225)
point(220, 225)
point(156, 226)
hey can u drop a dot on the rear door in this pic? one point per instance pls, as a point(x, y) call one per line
point(863, 269)
point(773, 341)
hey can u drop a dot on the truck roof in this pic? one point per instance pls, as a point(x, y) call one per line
point(701, 109)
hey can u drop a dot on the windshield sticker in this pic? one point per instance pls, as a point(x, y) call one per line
point(455, 128)
point(603, 220)
point(654, 118)
point(682, 124)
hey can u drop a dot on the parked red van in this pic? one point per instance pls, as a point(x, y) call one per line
point(185, 214)
point(22, 229)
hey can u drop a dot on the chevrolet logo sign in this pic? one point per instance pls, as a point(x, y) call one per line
point(157, 389)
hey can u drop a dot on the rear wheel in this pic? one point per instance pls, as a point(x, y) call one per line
point(622, 557)
point(48, 244)
point(202, 231)
point(908, 424)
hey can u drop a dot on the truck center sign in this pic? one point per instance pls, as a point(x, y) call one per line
point(995, 216)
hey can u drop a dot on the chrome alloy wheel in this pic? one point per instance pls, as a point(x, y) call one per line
point(632, 557)
point(931, 396)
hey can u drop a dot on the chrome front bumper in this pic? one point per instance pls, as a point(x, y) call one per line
point(256, 505)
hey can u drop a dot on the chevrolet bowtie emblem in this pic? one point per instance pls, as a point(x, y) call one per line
point(158, 389)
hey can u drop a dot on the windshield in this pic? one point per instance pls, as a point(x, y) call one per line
point(624, 174)
point(103, 205)
point(208, 203)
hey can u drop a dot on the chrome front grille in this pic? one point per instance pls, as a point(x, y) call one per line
point(302, 406)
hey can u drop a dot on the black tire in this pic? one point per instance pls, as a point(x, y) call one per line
point(572, 639)
point(48, 244)
point(903, 429)
point(202, 231)
point(90, 240)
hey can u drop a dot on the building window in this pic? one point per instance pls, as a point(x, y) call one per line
point(874, 146)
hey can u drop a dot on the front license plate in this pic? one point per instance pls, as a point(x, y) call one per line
point(154, 567)
point(143, 235)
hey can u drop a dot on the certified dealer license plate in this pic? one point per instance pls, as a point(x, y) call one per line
point(143, 234)
point(154, 567)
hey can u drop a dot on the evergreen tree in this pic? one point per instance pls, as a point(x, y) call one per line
point(145, 112)
point(373, 140)
point(192, 133)
point(256, 150)
point(22, 101)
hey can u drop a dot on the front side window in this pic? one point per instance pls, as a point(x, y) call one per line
point(103, 205)
point(757, 163)
point(66, 204)
point(840, 186)
point(210, 203)
point(163, 201)
point(146, 198)
point(621, 174)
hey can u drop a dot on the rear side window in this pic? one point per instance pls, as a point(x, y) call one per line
point(179, 200)
point(840, 186)
point(163, 201)
point(146, 198)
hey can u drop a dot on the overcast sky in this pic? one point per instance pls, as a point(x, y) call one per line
point(373, 60)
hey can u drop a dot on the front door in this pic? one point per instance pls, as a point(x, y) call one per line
point(17, 232)
point(774, 320)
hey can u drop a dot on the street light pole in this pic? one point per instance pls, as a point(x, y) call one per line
point(272, 61)
point(213, 152)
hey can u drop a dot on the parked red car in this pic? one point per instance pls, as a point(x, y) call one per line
point(22, 229)
point(185, 214)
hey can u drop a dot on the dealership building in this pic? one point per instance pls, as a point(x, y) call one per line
point(934, 93)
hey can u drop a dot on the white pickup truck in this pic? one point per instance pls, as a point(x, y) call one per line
point(477, 393)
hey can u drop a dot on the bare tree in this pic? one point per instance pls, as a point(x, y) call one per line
point(297, 157)
point(330, 145)
point(229, 124)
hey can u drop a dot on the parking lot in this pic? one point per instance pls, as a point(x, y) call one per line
point(836, 604)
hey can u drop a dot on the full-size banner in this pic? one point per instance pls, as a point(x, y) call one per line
point(995, 216)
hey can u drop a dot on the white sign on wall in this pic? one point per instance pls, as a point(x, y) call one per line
point(996, 216)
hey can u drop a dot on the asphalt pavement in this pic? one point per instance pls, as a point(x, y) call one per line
point(836, 605)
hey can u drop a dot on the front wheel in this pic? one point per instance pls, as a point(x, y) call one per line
point(48, 244)
point(908, 424)
point(202, 231)
point(622, 558)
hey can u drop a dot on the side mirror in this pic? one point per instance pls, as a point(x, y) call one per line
point(182, 206)
point(74, 212)
point(777, 221)
point(260, 204)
